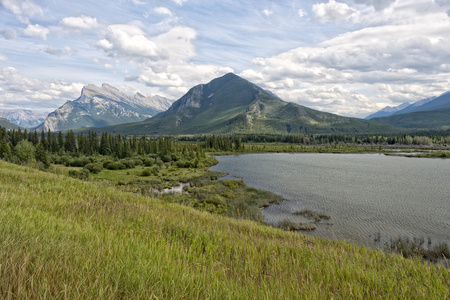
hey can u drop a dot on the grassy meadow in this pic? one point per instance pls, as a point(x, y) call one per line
point(65, 238)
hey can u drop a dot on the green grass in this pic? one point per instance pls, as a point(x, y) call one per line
point(65, 238)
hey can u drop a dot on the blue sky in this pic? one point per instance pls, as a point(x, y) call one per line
point(350, 57)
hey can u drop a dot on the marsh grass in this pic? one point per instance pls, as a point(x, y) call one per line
point(289, 225)
point(414, 248)
point(65, 238)
point(317, 216)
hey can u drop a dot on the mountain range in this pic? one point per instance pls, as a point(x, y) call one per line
point(388, 111)
point(103, 106)
point(231, 104)
point(430, 113)
point(23, 117)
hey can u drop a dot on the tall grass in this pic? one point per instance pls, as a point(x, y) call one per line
point(69, 239)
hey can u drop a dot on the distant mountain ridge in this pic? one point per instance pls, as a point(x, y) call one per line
point(388, 111)
point(103, 106)
point(430, 113)
point(231, 104)
point(23, 117)
point(7, 124)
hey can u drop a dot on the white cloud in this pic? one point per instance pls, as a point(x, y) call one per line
point(129, 41)
point(409, 58)
point(21, 91)
point(138, 2)
point(333, 11)
point(36, 31)
point(163, 11)
point(151, 78)
point(80, 23)
point(267, 12)
point(179, 2)
point(2, 57)
point(23, 9)
point(302, 13)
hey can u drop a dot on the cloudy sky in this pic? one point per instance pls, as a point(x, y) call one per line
point(350, 57)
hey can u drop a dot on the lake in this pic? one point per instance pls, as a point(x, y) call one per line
point(366, 195)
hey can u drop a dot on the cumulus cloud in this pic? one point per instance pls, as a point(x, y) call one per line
point(22, 91)
point(130, 42)
point(23, 9)
point(354, 67)
point(80, 23)
point(333, 11)
point(36, 31)
point(2, 57)
point(151, 78)
point(162, 61)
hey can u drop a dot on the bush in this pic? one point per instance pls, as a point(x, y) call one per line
point(79, 162)
point(129, 163)
point(149, 162)
point(159, 162)
point(138, 161)
point(94, 168)
point(182, 164)
point(114, 165)
point(150, 171)
point(166, 158)
point(80, 174)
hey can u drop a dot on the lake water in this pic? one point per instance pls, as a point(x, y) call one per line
point(365, 194)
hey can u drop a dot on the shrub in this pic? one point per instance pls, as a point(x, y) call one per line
point(129, 163)
point(166, 158)
point(150, 171)
point(182, 164)
point(138, 161)
point(114, 165)
point(149, 161)
point(94, 168)
point(80, 174)
point(79, 162)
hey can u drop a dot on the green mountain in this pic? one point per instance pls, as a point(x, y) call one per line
point(434, 114)
point(231, 104)
point(7, 124)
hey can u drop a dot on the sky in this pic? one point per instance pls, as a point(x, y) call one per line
point(349, 57)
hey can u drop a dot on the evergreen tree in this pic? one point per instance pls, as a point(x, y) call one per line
point(43, 140)
point(5, 149)
point(41, 155)
point(70, 142)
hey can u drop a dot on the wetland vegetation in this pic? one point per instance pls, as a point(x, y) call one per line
point(82, 218)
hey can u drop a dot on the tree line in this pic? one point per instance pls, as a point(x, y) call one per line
point(45, 147)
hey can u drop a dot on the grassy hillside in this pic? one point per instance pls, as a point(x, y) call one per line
point(65, 238)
